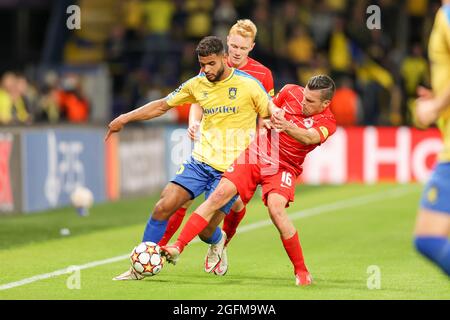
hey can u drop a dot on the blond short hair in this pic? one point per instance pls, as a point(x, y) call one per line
point(245, 28)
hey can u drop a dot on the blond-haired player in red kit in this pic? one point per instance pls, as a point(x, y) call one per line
point(240, 42)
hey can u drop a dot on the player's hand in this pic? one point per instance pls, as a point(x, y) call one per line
point(424, 93)
point(193, 130)
point(115, 126)
point(267, 124)
point(280, 122)
point(427, 112)
point(279, 113)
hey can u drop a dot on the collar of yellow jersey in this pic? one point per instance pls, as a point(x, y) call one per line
point(229, 77)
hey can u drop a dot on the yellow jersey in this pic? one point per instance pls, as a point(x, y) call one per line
point(439, 53)
point(230, 109)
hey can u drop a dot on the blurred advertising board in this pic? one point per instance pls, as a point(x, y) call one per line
point(40, 167)
point(10, 173)
point(142, 161)
point(55, 161)
point(179, 149)
point(374, 154)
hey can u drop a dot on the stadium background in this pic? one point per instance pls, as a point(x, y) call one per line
point(60, 88)
point(129, 52)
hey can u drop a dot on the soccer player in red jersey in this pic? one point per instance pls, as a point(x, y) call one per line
point(273, 160)
point(240, 41)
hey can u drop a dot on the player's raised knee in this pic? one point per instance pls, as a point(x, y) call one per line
point(218, 198)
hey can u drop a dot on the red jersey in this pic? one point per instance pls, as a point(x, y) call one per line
point(261, 73)
point(291, 153)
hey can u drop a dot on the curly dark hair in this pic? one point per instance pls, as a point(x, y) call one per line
point(210, 45)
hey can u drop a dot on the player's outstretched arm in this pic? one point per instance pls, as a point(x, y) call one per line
point(148, 111)
point(305, 136)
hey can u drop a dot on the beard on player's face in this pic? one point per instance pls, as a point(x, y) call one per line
point(216, 77)
point(306, 110)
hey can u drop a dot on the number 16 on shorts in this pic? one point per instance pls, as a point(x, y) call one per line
point(286, 179)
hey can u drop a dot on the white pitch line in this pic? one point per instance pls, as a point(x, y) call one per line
point(61, 272)
point(338, 205)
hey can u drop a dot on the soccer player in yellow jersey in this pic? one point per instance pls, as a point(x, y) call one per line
point(240, 42)
point(231, 101)
point(433, 219)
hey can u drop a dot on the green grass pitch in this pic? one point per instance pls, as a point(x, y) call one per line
point(345, 231)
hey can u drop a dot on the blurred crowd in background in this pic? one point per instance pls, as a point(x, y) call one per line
point(148, 46)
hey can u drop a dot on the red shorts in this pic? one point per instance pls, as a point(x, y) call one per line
point(246, 175)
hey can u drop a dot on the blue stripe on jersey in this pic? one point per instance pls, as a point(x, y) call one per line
point(245, 74)
point(446, 9)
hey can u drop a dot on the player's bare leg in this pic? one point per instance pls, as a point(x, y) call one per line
point(174, 223)
point(432, 223)
point(201, 217)
point(221, 195)
point(172, 197)
point(431, 237)
point(276, 204)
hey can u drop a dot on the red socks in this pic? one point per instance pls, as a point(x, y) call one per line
point(172, 225)
point(193, 227)
point(231, 222)
point(294, 251)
